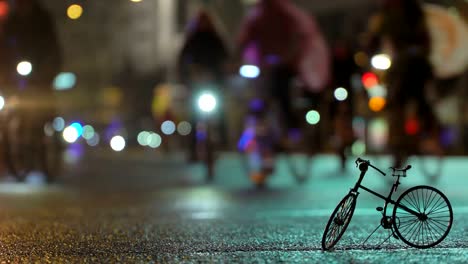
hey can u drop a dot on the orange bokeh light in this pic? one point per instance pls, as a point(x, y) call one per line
point(4, 8)
point(377, 103)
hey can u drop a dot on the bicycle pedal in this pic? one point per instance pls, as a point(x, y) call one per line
point(380, 209)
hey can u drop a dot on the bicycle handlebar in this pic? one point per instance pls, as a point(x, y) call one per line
point(359, 160)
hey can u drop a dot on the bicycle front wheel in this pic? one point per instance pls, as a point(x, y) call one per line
point(339, 221)
point(432, 221)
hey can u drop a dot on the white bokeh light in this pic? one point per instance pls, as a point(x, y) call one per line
point(381, 62)
point(2, 102)
point(207, 102)
point(70, 134)
point(117, 143)
point(249, 71)
point(24, 68)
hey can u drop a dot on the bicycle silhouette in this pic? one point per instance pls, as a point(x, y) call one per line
point(422, 215)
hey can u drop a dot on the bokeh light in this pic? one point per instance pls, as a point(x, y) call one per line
point(249, 71)
point(48, 129)
point(378, 133)
point(117, 143)
point(70, 134)
point(88, 132)
point(412, 126)
point(64, 81)
point(24, 68)
point(207, 102)
point(369, 80)
point(168, 127)
point(381, 62)
point(359, 126)
point(94, 141)
point(2, 102)
point(58, 124)
point(74, 11)
point(78, 127)
point(313, 117)
point(341, 94)
point(142, 138)
point(184, 128)
point(4, 9)
point(377, 103)
point(136, 1)
point(358, 148)
point(154, 140)
point(378, 91)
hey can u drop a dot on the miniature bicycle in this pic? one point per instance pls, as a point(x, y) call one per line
point(422, 215)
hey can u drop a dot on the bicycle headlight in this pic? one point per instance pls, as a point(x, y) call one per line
point(207, 102)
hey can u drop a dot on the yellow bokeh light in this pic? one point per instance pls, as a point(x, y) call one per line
point(74, 11)
point(377, 103)
point(136, 1)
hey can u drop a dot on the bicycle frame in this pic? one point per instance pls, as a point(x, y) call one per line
point(363, 167)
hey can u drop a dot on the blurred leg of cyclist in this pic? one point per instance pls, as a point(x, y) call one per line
point(281, 79)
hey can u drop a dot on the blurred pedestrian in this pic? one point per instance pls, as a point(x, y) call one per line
point(341, 113)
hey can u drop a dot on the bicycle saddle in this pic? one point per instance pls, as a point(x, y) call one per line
point(402, 169)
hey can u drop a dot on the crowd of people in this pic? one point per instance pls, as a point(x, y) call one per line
point(290, 50)
point(297, 66)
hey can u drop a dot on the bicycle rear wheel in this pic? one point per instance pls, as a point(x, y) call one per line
point(434, 219)
point(339, 221)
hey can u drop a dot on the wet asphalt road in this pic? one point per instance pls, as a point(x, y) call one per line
point(137, 208)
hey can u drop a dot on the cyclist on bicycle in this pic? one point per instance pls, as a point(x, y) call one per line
point(203, 54)
point(400, 30)
point(285, 44)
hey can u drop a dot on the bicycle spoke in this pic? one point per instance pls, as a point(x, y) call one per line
point(433, 200)
point(438, 208)
point(408, 227)
point(437, 203)
point(410, 203)
point(428, 201)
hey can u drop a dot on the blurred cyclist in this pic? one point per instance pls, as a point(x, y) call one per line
point(400, 31)
point(30, 60)
point(286, 44)
point(203, 54)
